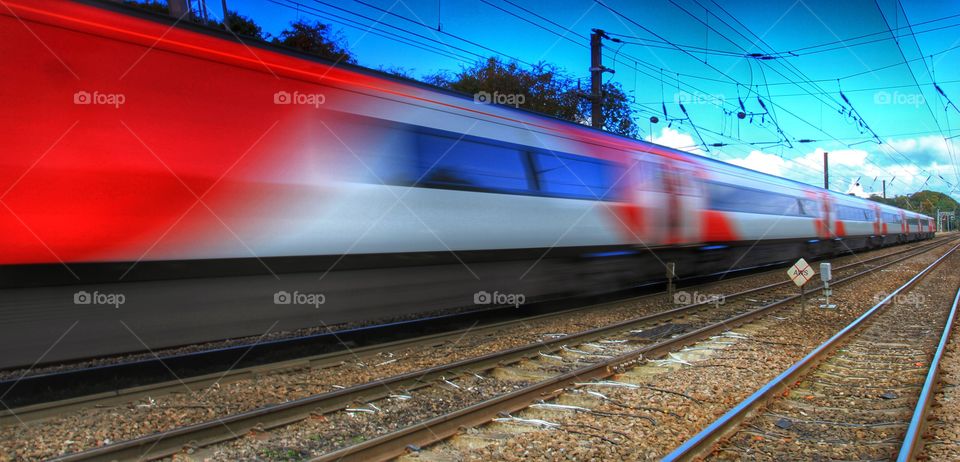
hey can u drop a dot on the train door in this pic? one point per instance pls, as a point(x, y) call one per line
point(827, 228)
point(877, 220)
point(666, 200)
point(642, 211)
point(686, 201)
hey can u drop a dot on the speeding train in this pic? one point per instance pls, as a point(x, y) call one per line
point(165, 184)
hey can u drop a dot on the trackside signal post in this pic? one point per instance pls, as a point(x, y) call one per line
point(671, 274)
point(801, 273)
point(826, 275)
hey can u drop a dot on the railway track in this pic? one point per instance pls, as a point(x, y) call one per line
point(551, 393)
point(155, 373)
point(863, 394)
point(559, 362)
point(44, 395)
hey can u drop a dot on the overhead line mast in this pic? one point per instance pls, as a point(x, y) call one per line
point(596, 76)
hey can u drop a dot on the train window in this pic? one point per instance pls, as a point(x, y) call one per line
point(448, 162)
point(739, 199)
point(647, 176)
point(792, 208)
point(848, 213)
point(809, 208)
point(563, 175)
point(891, 217)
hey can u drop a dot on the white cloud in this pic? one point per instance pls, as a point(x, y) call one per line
point(856, 189)
point(763, 162)
point(905, 163)
point(675, 139)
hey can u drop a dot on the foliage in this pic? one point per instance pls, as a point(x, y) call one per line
point(153, 6)
point(316, 38)
point(925, 202)
point(544, 88)
point(243, 26)
point(398, 71)
point(240, 24)
point(617, 113)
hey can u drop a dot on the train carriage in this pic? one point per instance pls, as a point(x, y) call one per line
point(234, 172)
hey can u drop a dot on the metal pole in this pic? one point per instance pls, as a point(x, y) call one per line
point(826, 171)
point(226, 15)
point(596, 78)
point(178, 8)
point(884, 189)
point(671, 273)
point(803, 300)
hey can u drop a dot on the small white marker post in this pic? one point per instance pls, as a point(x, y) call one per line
point(800, 273)
point(825, 276)
point(671, 273)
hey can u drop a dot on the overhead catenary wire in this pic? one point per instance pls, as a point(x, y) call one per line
point(568, 31)
point(458, 51)
point(936, 120)
point(797, 71)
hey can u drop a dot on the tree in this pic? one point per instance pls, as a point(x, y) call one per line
point(153, 6)
point(239, 24)
point(316, 38)
point(544, 88)
point(925, 202)
point(243, 26)
point(398, 71)
point(617, 113)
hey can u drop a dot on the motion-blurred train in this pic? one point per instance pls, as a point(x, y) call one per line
point(163, 184)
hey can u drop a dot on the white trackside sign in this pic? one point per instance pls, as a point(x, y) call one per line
point(800, 272)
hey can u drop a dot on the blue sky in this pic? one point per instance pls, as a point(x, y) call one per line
point(898, 102)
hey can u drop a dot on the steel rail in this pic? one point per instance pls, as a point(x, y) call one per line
point(46, 409)
point(34, 409)
point(438, 428)
point(703, 441)
point(170, 442)
point(913, 441)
